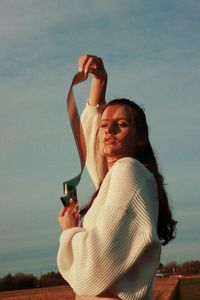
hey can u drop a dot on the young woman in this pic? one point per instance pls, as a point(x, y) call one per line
point(115, 253)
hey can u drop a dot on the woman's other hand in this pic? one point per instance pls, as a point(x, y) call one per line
point(92, 64)
point(69, 216)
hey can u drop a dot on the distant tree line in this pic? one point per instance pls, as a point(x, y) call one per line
point(184, 269)
point(29, 281)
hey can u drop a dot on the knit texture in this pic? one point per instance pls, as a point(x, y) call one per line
point(117, 248)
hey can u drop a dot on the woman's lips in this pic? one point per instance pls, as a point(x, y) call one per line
point(109, 141)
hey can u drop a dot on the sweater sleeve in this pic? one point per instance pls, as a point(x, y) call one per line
point(90, 120)
point(93, 260)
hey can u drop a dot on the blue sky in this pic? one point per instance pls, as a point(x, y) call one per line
point(151, 52)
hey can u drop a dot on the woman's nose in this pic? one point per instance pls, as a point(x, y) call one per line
point(107, 129)
point(111, 129)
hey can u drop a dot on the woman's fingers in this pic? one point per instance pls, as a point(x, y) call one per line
point(62, 211)
point(69, 215)
point(89, 63)
point(82, 62)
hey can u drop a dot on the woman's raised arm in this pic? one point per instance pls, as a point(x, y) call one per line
point(94, 65)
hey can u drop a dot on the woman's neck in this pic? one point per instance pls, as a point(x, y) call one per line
point(111, 162)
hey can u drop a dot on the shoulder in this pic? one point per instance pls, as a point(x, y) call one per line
point(129, 184)
point(132, 174)
point(132, 167)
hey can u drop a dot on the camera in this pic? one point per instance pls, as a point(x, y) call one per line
point(69, 192)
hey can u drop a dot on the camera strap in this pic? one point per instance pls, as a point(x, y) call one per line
point(69, 186)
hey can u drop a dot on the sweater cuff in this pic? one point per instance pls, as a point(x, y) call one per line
point(97, 107)
point(67, 234)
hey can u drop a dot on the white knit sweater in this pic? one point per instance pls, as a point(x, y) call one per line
point(117, 248)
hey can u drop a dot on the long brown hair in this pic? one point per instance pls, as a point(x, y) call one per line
point(166, 224)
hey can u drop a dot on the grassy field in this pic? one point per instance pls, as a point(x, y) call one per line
point(50, 293)
point(188, 289)
point(164, 288)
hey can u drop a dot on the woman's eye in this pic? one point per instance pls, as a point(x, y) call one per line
point(123, 124)
point(103, 125)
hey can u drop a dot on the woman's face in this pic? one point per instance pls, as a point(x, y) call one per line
point(117, 132)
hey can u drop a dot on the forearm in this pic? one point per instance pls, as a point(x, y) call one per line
point(97, 91)
point(94, 65)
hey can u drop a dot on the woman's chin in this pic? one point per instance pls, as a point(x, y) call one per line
point(108, 152)
point(110, 155)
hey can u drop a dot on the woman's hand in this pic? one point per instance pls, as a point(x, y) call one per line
point(68, 216)
point(92, 64)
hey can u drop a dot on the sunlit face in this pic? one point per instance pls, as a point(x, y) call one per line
point(117, 133)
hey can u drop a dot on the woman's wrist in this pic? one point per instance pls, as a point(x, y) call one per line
point(98, 91)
